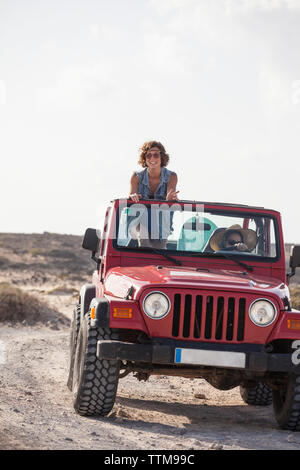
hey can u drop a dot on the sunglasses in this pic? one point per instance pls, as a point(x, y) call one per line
point(233, 242)
point(154, 155)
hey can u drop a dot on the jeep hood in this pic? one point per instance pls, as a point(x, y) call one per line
point(119, 280)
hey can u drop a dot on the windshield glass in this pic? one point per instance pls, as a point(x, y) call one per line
point(195, 230)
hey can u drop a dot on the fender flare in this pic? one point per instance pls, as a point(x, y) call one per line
point(100, 312)
point(87, 294)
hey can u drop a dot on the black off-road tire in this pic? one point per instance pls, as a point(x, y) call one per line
point(95, 381)
point(74, 330)
point(260, 395)
point(286, 404)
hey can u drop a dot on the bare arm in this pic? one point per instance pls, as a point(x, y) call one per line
point(134, 184)
point(171, 189)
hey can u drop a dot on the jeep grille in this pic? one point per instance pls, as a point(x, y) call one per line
point(208, 317)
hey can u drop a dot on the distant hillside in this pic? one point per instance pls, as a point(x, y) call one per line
point(45, 253)
point(58, 254)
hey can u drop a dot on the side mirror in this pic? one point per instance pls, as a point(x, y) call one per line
point(91, 240)
point(295, 259)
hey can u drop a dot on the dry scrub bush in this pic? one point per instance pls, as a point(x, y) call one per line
point(19, 306)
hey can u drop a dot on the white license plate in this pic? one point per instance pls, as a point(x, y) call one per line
point(210, 358)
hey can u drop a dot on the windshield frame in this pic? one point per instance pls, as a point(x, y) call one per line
point(234, 211)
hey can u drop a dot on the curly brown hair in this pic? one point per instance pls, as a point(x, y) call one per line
point(147, 146)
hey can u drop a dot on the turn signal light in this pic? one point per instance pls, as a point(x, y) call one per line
point(293, 324)
point(93, 313)
point(119, 312)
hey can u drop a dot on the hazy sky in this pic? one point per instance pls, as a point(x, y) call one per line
point(84, 83)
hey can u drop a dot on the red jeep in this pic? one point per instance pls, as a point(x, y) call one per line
point(174, 299)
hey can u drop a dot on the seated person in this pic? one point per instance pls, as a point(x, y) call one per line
point(234, 238)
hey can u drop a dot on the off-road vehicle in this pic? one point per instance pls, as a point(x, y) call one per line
point(185, 304)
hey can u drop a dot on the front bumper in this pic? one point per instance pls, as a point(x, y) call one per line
point(244, 357)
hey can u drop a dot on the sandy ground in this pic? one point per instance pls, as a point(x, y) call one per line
point(163, 413)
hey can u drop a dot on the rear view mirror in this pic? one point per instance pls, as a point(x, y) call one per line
point(295, 258)
point(91, 240)
point(197, 226)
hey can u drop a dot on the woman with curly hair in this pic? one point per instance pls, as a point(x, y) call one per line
point(155, 181)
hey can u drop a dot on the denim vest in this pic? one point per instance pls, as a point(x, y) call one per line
point(163, 226)
point(144, 187)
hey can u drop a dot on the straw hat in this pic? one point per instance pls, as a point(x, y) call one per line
point(249, 237)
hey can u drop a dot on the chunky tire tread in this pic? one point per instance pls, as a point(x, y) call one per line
point(95, 381)
point(74, 330)
point(287, 409)
point(260, 395)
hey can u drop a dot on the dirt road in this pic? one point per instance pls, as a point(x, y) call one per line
point(164, 413)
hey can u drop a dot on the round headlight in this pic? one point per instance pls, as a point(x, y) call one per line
point(262, 312)
point(156, 305)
